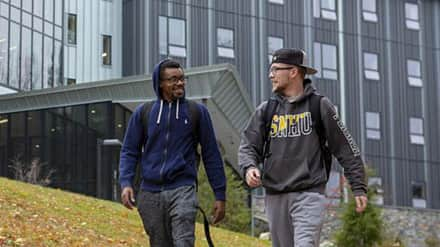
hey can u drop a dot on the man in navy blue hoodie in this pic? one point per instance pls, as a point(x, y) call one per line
point(167, 201)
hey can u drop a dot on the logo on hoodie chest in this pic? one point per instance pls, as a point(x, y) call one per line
point(291, 125)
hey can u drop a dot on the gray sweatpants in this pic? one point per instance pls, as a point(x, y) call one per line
point(295, 219)
point(169, 216)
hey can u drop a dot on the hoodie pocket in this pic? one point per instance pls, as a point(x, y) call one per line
point(177, 167)
point(151, 167)
point(282, 173)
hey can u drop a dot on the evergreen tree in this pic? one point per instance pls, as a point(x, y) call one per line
point(360, 229)
point(238, 216)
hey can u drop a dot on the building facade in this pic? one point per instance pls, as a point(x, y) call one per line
point(49, 43)
point(377, 60)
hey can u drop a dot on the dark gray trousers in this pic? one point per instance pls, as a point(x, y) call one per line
point(295, 219)
point(169, 216)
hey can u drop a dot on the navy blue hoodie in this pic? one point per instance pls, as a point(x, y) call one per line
point(169, 157)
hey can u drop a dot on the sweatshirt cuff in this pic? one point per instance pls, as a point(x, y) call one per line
point(359, 193)
point(220, 195)
point(125, 184)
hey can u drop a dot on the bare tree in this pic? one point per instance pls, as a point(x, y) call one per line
point(31, 173)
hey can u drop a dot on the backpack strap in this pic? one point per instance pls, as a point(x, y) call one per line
point(269, 111)
point(194, 113)
point(146, 109)
point(315, 110)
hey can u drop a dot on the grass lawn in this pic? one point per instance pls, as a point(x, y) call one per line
point(35, 216)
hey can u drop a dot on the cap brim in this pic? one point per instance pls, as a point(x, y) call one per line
point(310, 71)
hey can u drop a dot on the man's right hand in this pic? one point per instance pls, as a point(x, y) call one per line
point(127, 197)
point(253, 177)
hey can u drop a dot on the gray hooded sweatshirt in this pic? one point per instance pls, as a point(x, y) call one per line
point(296, 162)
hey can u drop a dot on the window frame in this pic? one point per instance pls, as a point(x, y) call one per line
point(269, 52)
point(224, 50)
point(370, 72)
point(410, 22)
point(372, 132)
point(369, 15)
point(418, 202)
point(69, 32)
point(325, 13)
point(172, 49)
point(414, 80)
point(321, 51)
point(278, 2)
point(416, 136)
point(106, 54)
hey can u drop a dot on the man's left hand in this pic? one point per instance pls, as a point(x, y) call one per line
point(218, 211)
point(361, 203)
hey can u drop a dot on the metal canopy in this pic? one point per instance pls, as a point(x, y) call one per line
point(217, 86)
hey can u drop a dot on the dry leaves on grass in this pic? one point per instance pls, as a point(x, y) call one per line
point(37, 216)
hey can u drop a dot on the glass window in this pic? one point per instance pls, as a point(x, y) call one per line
point(98, 116)
point(16, 3)
point(37, 51)
point(48, 63)
point(48, 10)
point(106, 49)
point(27, 5)
point(324, 9)
point(26, 19)
point(119, 127)
point(172, 37)
point(414, 73)
point(71, 81)
point(412, 16)
point(372, 120)
point(58, 13)
point(4, 46)
point(375, 183)
point(17, 124)
point(177, 37)
point(371, 66)
point(277, 1)
point(48, 28)
point(38, 24)
point(225, 42)
point(273, 44)
point(15, 14)
point(26, 59)
point(418, 195)
point(58, 33)
point(4, 10)
point(326, 60)
point(38, 8)
point(58, 65)
point(369, 10)
point(177, 31)
point(163, 35)
point(416, 131)
point(5, 90)
point(14, 56)
point(71, 29)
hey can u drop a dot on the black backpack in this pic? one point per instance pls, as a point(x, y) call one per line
point(315, 109)
point(194, 114)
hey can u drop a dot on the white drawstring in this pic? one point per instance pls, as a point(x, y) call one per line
point(160, 112)
point(177, 109)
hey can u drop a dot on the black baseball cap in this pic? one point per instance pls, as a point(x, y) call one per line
point(294, 57)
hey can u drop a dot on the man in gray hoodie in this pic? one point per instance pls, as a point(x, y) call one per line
point(291, 146)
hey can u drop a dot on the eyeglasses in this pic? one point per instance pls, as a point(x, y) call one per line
point(275, 69)
point(174, 80)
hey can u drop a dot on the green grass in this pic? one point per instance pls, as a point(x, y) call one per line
point(37, 216)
